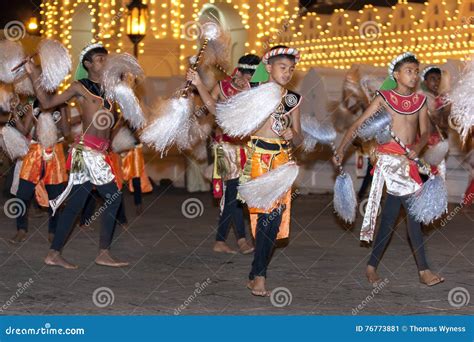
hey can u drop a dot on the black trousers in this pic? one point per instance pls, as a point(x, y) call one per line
point(89, 210)
point(108, 211)
point(233, 211)
point(137, 191)
point(268, 226)
point(390, 213)
point(26, 192)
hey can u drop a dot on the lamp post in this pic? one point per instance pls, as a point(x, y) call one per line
point(136, 23)
point(32, 26)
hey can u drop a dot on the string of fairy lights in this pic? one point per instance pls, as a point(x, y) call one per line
point(331, 41)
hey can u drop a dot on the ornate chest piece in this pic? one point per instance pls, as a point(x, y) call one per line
point(281, 120)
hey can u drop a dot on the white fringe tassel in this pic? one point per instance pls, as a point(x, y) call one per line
point(123, 140)
point(46, 130)
point(55, 64)
point(436, 154)
point(245, 112)
point(173, 121)
point(11, 54)
point(16, 144)
point(263, 191)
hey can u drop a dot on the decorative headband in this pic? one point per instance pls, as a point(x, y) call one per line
point(428, 68)
point(89, 48)
point(281, 51)
point(247, 66)
point(395, 61)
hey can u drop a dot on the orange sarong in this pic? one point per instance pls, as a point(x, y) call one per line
point(261, 161)
point(133, 166)
point(51, 171)
point(37, 170)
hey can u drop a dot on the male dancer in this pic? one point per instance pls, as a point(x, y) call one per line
point(89, 162)
point(40, 164)
point(438, 110)
point(269, 148)
point(229, 154)
point(397, 170)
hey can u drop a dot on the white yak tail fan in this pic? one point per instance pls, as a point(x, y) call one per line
point(129, 105)
point(16, 144)
point(55, 64)
point(345, 201)
point(11, 54)
point(462, 110)
point(24, 86)
point(314, 130)
point(116, 83)
point(263, 191)
point(435, 155)
point(375, 126)
point(172, 122)
point(245, 112)
point(46, 130)
point(430, 202)
point(123, 140)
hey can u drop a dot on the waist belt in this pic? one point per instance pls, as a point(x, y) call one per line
point(269, 146)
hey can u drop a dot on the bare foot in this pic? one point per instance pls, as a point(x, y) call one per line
point(50, 237)
point(244, 246)
point(105, 259)
point(258, 287)
point(372, 275)
point(429, 278)
point(221, 247)
point(19, 237)
point(54, 258)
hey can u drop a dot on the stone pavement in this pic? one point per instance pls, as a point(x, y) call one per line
point(174, 271)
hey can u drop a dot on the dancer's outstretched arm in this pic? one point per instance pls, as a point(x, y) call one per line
point(50, 100)
point(352, 131)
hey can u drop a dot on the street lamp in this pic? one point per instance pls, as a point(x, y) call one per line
point(136, 23)
point(32, 26)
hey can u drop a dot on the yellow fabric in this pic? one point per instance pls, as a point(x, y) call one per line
point(262, 161)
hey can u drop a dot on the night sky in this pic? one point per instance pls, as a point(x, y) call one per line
point(24, 9)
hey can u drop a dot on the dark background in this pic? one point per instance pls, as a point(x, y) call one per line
point(23, 9)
